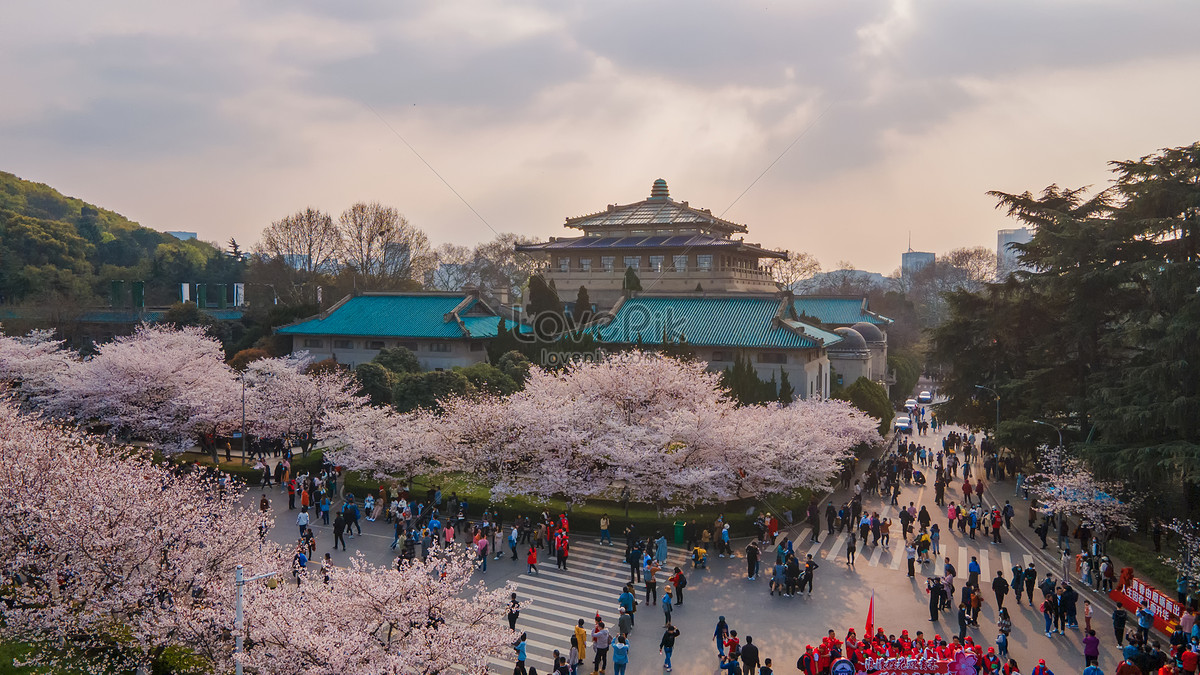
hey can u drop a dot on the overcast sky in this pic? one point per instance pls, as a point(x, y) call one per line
point(220, 116)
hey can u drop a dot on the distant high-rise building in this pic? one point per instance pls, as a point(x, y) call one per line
point(182, 236)
point(1006, 257)
point(911, 261)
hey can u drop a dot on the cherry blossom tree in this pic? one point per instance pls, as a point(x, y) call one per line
point(288, 401)
point(1186, 561)
point(386, 443)
point(32, 361)
point(1066, 486)
point(162, 384)
point(107, 558)
point(109, 561)
point(661, 426)
point(425, 617)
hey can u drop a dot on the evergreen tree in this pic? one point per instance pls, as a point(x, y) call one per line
point(870, 398)
point(632, 282)
point(545, 309)
point(583, 307)
point(787, 394)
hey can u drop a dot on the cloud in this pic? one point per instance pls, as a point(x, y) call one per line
point(535, 112)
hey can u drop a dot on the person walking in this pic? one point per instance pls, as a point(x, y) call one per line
point(851, 549)
point(620, 655)
point(667, 606)
point(667, 644)
point(1091, 649)
point(752, 554)
point(750, 659)
point(1119, 618)
point(650, 576)
point(963, 620)
point(720, 635)
point(519, 647)
point(1000, 588)
point(531, 561)
point(514, 611)
point(627, 602)
point(302, 519)
point(600, 643)
point(680, 582)
point(810, 569)
point(339, 530)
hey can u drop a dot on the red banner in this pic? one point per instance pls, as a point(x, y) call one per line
point(1166, 610)
point(963, 663)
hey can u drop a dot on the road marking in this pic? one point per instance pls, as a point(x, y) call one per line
point(964, 559)
point(832, 554)
point(1006, 561)
point(1028, 560)
point(985, 568)
point(897, 555)
point(874, 561)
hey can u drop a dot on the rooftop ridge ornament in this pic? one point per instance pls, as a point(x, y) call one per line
point(659, 190)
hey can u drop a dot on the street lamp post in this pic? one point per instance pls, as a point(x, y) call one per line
point(997, 395)
point(244, 417)
point(237, 616)
point(1060, 443)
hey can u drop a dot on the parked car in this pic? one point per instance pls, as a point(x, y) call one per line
point(902, 424)
point(924, 397)
point(910, 404)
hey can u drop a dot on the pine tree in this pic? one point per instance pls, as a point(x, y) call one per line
point(632, 282)
point(583, 307)
point(786, 393)
point(545, 309)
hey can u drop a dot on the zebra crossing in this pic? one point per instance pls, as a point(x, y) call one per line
point(598, 573)
point(595, 577)
point(960, 551)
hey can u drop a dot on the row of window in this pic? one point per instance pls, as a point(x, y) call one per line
point(679, 263)
point(763, 357)
point(376, 345)
point(648, 233)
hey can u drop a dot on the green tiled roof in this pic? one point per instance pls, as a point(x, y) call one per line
point(415, 315)
point(746, 322)
point(833, 311)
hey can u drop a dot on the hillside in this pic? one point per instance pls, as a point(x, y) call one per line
point(63, 249)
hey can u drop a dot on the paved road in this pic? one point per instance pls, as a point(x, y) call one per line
point(781, 626)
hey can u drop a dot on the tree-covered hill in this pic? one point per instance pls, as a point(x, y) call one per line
point(62, 249)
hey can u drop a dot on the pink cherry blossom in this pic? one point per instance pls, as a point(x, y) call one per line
point(661, 427)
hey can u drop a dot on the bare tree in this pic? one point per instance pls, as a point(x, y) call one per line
point(381, 246)
point(499, 265)
point(454, 267)
point(306, 240)
point(798, 267)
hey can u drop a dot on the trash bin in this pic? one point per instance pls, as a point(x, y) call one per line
point(679, 527)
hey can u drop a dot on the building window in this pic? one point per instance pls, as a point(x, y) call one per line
point(680, 262)
point(585, 264)
point(410, 346)
point(477, 346)
point(439, 347)
point(772, 357)
point(316, 343)
point(640, 233)
point(656, 263)
point(343, 344)
point(633, 261)
point(704, 262)
point(606, 262)
point(375, 344)
point(564, 264)
point(720, 356)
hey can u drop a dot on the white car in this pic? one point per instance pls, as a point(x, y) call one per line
point(924, 397)
point(910, 404)
point(902, 424)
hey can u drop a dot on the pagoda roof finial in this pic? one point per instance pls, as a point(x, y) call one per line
point(659, 190)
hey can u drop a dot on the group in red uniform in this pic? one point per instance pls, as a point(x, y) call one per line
point(817, 660)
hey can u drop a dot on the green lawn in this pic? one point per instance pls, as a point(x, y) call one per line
point(1145, 563)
